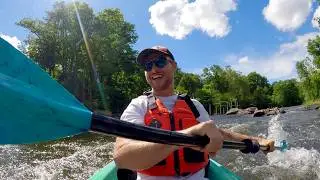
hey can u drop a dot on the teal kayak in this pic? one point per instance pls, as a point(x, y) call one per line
point(216, 172)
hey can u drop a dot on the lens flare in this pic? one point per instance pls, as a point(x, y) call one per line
point(93, 66)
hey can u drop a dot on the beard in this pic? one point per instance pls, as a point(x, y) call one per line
point(161, 84)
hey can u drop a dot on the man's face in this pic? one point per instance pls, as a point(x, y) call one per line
point(160, 78)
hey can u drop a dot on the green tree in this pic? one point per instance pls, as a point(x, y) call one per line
point(189, 83)
point(286, 93)
point(309, 72)
point(177, 76)
point(216, 76)
point(256, 80)
point(259, 90)
point(225, 84)
point(80, 58)
point(125, 86)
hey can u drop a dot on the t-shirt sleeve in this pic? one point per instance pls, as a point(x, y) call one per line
point(135, 111)
point(204, 115)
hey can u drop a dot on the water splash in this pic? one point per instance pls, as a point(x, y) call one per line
point(241, 128)
point(275, 130)
point(61, 160)
point(300, 160)
point(295, 162)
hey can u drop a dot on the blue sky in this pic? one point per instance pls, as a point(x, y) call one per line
point(264, 36)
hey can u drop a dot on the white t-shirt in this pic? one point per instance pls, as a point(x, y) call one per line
point(135, 113)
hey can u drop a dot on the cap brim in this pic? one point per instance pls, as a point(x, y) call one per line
point(145, 53)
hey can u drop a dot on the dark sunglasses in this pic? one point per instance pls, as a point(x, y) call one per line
point(161, 62)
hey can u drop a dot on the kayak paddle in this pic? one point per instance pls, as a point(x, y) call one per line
point(250, 147)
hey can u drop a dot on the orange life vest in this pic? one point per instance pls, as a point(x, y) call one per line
point(184, 161)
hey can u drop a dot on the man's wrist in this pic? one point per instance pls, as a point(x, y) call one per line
point(252, 138)
point(174, 147)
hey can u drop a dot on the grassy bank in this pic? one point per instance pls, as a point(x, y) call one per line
point(314, 102)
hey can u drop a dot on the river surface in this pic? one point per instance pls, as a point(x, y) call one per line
point(80, 156)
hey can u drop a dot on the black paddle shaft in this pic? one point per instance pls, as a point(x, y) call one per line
point(109, 125)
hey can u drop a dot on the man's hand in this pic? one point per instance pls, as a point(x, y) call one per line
point(233, 136)
point(266, 142)
point(207, 128)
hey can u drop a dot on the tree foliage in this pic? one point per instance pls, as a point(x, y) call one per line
point(309, 72)
point(286, 93)
point(101, 55)
point(226, 84)
point(189, 83)
point(58, 45)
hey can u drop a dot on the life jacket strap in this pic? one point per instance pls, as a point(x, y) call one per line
point(191, 105)
point(151, 100)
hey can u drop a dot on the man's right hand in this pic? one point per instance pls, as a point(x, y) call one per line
point(207, 128)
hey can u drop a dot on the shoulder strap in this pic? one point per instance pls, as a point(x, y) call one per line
point(147, 93)
point(151, 100)
point(188, 100)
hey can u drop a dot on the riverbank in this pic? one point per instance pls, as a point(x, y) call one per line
point(314, 102)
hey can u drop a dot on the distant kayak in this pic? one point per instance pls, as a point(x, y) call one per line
point(110, 172)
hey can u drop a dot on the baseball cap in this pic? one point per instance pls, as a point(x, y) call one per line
point(146, 52)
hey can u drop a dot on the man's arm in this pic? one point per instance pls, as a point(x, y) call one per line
point(233, 136)
point(138, 155)
point(229, 135)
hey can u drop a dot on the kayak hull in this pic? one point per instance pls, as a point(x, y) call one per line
point(216, 172)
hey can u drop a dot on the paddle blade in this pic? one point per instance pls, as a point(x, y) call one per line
point(283, 145)
point(33, 106)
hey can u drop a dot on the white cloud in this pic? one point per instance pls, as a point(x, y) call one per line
point(287, 15)
point(314, 19)
point(177, 18)
point(244, 60)
point(230, 58)
point(13, 40)
point(281, 64)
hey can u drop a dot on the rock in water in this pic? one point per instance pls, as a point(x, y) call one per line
point(271, 112)
point(258, 113)
point(251, 110)
point(282, 111)
point(232, 111)
point(242, 112)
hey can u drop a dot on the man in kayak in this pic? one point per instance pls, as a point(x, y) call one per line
point(162, 108)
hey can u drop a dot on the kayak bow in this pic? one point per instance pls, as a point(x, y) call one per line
point(110, 172)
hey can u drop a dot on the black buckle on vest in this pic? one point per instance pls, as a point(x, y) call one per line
point(185, 174)
point(126, 174)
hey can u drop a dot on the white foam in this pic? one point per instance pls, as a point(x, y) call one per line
point(240, 128)
point(298, 160)
point(275, 130)
point(78, 165)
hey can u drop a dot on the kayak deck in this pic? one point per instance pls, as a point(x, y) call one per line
point(110, 172)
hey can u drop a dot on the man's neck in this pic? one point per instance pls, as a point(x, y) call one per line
point(164, 93)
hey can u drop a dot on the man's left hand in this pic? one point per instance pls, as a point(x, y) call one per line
point(266, 142)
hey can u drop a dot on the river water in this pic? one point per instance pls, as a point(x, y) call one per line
point(79, 157)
